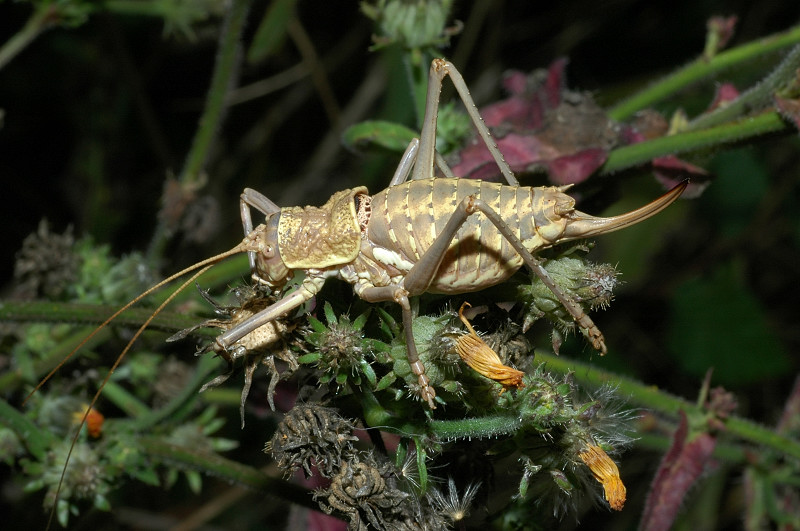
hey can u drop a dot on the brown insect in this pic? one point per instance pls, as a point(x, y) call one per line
point(421, 234)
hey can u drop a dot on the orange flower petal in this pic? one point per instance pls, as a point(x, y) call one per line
point(606, 472)
point(477, 354)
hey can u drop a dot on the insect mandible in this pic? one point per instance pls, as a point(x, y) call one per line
point(421, 234)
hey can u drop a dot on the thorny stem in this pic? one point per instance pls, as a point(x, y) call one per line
point(192, 176)
point(651, 397)
point(62, 312)
point(635, 154)
point(700, 69)
point(756, 98)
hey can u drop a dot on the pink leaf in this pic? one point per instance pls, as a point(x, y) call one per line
point(681, 467)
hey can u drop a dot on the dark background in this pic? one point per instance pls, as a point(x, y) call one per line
point(98, 116)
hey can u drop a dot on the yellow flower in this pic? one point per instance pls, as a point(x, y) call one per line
point(477, 354)
point(606, 472)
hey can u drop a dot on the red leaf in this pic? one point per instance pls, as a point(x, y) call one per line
point(789, 109)
point(682, 465)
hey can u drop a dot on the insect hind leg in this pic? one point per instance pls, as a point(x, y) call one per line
point(581, 318)
point(427, 157)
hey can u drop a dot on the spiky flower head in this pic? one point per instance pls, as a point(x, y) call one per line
point(590, 285)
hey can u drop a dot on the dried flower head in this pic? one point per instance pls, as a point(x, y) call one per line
point(309, 435)
point(360, 491)
point(259, 347)
point(46, 265)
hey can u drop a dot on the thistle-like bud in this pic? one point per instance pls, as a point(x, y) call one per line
point(47, 264)
point(412, 23)
point(590, 285)
point(311, 435)
point(342, 349)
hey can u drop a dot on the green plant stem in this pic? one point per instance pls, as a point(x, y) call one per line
point(482, 427)
point(376, 416)
point(35, 26)
point(702, 68)
point(192, 176)
point(120, 397)
point(657, 400)
point(226, 469)
point(643, 152)
point(183, 403)
point(66, 312)
point(151, 8)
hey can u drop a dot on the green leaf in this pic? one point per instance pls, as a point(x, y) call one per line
point(366, 368)
point(330, 316)
point(388, 135)
point(361, 320)
point(386, 381)
point(147, 476)
point(271, 33)
point(316, 324)
point(195, 481)
point(308, 359)
point(718, 323)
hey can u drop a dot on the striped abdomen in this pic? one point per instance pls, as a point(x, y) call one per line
point(406, 218)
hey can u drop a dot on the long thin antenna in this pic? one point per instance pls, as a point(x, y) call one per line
point(207, 262)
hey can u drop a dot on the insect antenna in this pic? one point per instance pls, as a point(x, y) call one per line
point(208, 262)
point(204, 266)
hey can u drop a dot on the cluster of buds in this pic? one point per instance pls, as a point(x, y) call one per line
point(581, 434)
point(342, 350)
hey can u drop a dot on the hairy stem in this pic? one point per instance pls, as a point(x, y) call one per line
point(643, 152)
point(702, 68)
point(757, 97)
point(650, 397)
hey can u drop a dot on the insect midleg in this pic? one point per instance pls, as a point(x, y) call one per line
point(400, 295)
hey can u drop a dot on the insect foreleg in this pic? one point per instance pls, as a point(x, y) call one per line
point(308, 289)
